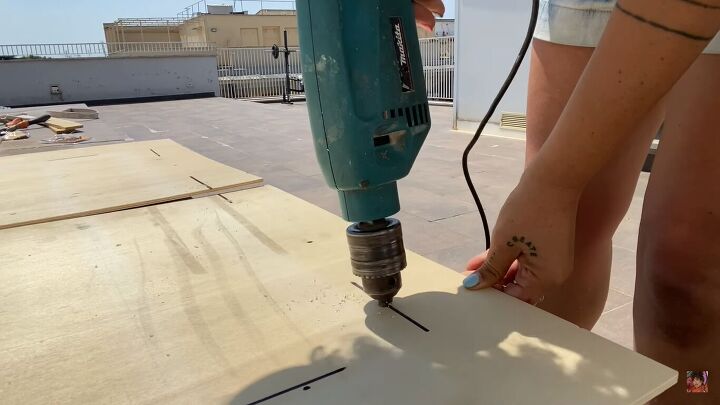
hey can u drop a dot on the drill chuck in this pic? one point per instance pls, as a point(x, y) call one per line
point(377, 255)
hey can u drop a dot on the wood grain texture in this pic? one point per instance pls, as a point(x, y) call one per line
point(49, 186)
point(63, 123)
point(232, 301)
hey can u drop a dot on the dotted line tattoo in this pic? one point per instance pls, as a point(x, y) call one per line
point(662, 27)
point(701, 4)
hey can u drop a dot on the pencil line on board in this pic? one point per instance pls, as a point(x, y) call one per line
point(397, 311)
point(301, 385)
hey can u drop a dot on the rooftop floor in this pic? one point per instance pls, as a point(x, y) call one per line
point(439, 218)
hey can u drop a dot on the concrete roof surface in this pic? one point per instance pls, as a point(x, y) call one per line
point(439, 218)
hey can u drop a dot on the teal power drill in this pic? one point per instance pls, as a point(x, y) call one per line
point(369, 115)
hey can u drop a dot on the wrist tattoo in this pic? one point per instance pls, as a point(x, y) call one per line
point(661, 26)
point(524, 244)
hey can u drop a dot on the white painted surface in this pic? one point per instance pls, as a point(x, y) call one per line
point(27, 82)
point(445, 27)
point(489, 34)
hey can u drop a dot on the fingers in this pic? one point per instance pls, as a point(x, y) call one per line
point(424, 17)
point(500, 269)
point(435, 6)
point(476, 261)
point(425, 11)
point(493, 269)
point(526, 286)
point(511, 273)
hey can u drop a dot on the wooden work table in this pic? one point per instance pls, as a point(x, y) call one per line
point(128, 278)
point(248, 298)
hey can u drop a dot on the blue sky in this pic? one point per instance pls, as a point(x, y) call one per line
point(67, 21)
point(449, 9)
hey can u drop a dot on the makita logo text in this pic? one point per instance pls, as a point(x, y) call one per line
point(401, 54)
point(400, 44)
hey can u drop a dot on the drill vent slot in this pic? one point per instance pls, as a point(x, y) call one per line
point(418, 114)
point(381, 140)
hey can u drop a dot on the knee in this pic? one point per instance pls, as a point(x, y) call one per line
point(678, 285)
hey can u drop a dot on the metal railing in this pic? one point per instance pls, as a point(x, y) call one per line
point(438, 55)
point(149, 22)
point(194, 9)
point(253, 73)
point(250, 73)
point(54, 50)
point(239, 6)
point(266, 5)
point(159, 48)
point(102, 49)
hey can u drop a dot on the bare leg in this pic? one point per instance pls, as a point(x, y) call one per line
point(554, 71)
point(677, 292)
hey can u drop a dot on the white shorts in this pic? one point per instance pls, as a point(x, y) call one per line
point(582, 22)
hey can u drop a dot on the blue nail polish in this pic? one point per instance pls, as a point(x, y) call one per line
point(471, 280)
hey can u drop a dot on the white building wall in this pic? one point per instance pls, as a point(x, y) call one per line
point(444, 28)
point(489, 34)
point(29, 82)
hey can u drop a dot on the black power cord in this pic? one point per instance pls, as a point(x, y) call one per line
point(491, 111)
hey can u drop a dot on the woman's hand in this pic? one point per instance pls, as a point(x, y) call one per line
point(532, 244)
point(425, 10)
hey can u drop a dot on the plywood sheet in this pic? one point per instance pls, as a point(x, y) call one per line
point(249, 300)
point(71, 183)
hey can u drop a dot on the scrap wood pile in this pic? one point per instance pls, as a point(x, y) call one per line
point(66, 131)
